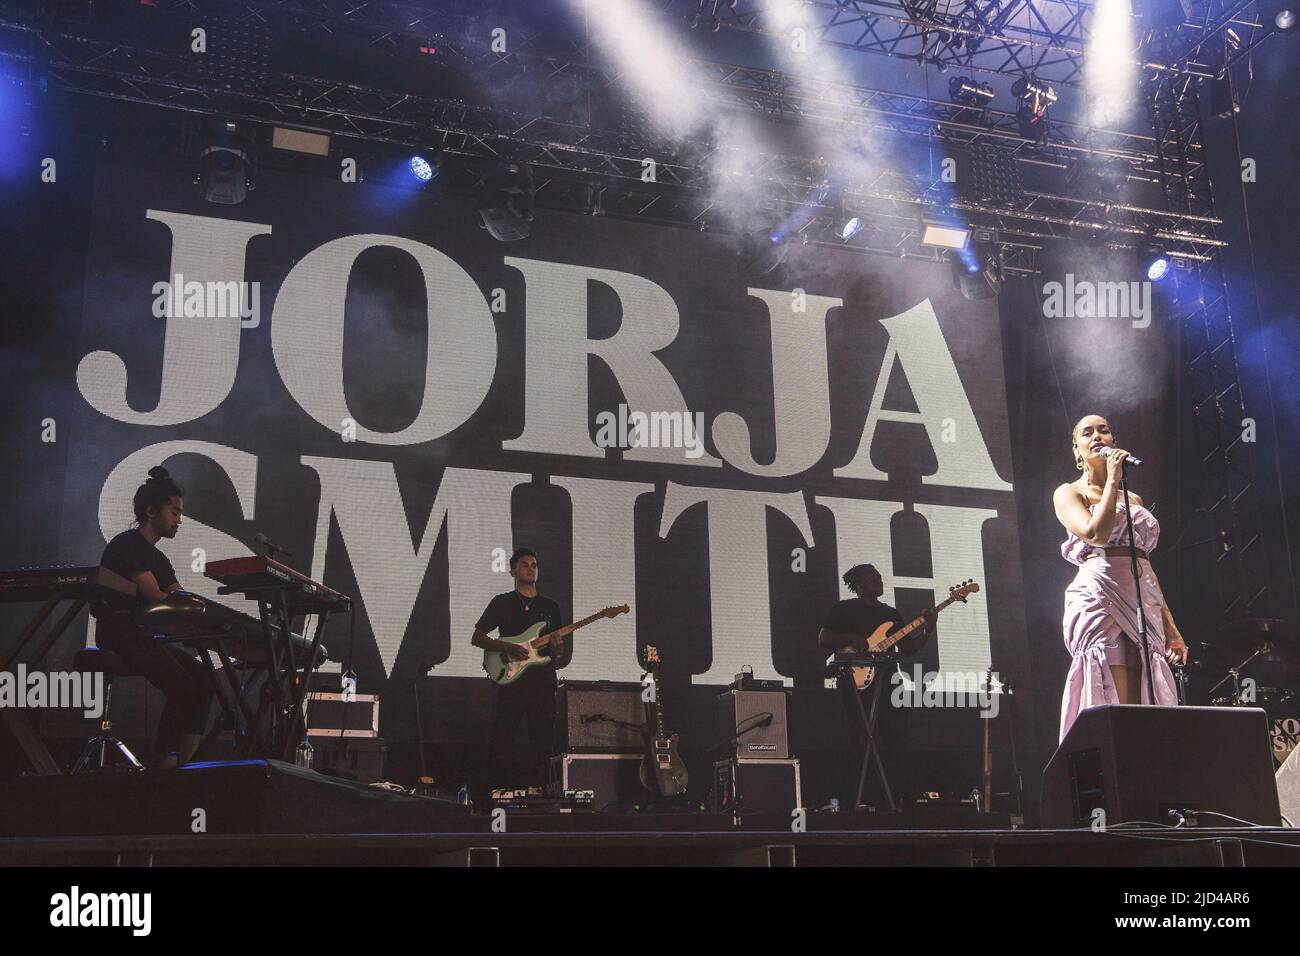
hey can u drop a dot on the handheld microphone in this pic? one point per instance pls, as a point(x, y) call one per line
point(1130, 460)
point(270, 546)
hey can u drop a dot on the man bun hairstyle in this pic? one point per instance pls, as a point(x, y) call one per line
point(155, 493)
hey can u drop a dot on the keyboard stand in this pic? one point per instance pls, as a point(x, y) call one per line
point(867, 720)
point(19, 723)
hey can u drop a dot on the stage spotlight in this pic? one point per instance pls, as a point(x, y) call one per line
point(976, 273)
point(1033, 97)
point(421, 169)
point(505, 201)
point(225, 164)
point(964, 90)
point(297, 140)
point(944, 235)
point(849, 223)
point(1284, 20)
point(761, 251)
point(1158, 268)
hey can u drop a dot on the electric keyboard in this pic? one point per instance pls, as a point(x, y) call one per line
point(94, 584)
point(256, 576)
point(193, 619)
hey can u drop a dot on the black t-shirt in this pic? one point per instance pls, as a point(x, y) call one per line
point(127, 555)
point(855, 616)
point(511, 613)
point(130, 553)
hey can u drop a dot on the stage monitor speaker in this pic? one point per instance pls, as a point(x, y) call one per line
point(758, 719)
point(599, 717)
point(1139, 763)
point(1288, 788)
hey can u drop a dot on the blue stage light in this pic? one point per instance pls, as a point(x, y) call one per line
point(1158, 269)
point(421, 169)
point(851, 228)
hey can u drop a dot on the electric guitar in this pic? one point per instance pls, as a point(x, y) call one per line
point(505, 670)
point(882, 639)
point(662, 770)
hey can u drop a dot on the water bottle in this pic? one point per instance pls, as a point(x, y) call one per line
point(349, 686)
point(302, 757)
point(462, 795)
point(835, 804)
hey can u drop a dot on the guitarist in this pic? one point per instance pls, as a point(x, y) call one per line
point(533, 694)
point(851, 621)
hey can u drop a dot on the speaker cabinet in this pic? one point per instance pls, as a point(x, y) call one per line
point(758, 719)
point(1139, 763)
point(599, 717)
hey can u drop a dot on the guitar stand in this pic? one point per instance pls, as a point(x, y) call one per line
point(867, 720)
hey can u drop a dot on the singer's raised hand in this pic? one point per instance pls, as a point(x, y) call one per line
point(1115, 463)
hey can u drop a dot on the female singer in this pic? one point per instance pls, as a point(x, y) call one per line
point(1100, 622)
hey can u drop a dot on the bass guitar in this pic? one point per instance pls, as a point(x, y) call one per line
point(882, 638)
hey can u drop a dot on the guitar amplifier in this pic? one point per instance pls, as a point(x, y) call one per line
point(599, 717)
point(758, 717)
point(757, 786)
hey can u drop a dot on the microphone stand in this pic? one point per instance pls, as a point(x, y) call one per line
point(1137, 588)
point(1016, 779)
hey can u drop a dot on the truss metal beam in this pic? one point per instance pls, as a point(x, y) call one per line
point(1211, 376)
point(1045, 38)
point(579, 147)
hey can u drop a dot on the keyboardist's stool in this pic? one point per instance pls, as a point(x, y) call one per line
point(104, 745)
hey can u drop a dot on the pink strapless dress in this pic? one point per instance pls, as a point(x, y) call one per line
point(1101, 607)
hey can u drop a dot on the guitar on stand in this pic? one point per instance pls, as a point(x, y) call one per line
point(987, 805)
point(662, 771)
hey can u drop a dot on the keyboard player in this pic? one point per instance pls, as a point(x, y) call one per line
point(134, 554)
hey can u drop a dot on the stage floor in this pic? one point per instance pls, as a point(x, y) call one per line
point(266, 813)
point(1145, 847)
